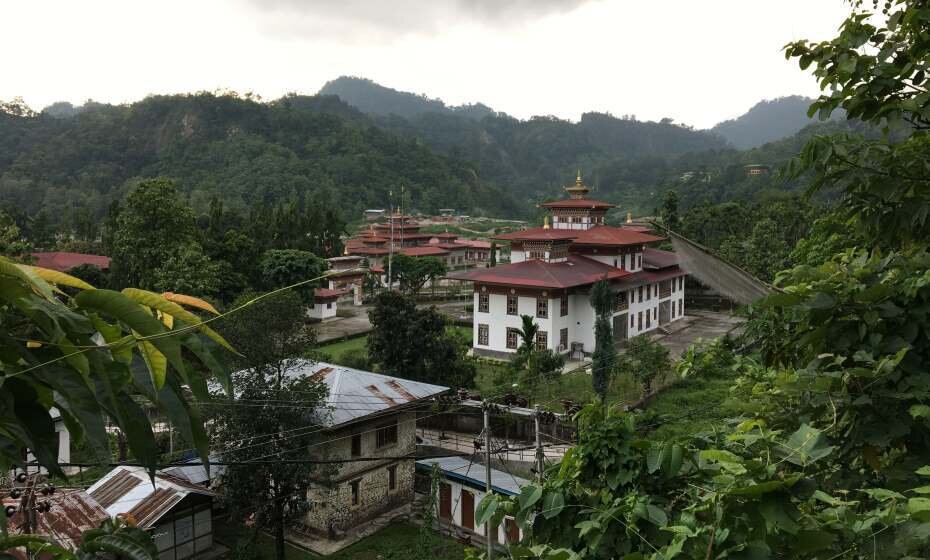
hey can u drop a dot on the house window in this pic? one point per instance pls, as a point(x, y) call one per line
point(541, 340)
point(511, 305)
point(679, 306)
point(355, 495)
point(356, 445)
point(392, 477)
point(483, 303)
point(563, 306)
point(655, 313)
point(386, 435)
point(639, 292)
point(512, 338)
point(563, 339)
point(542, 308)
point(648, 319)
point(673, 311)
point(329, 306)
point(674, 284)
point(639, 321)
point(482, 335)
point(631, 320)
point(681, 282)
point(639, 260)
point(620, 301)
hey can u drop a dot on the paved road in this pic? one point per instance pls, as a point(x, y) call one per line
point(704, 325)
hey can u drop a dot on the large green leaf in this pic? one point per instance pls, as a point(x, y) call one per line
point(806, 445)
point(56, 277)
point(529, 495)
point(139, 436)
point(553, 504)
point(155, 361)
point(486, 508)
point(157, 301)
point(120, 547)
point(27, 277)
point(136, 318)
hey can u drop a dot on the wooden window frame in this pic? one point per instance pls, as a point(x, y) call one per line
point(484, 303)
point(542, 340)
point(563, 305)
point(386, 435)
point(542, 304)
point(392, 478)
point(512, 334)
point(484, 335)
point(563, 338)
point(516, 305)
point(356, 445)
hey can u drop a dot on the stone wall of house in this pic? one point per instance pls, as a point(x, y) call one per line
point(332, 512)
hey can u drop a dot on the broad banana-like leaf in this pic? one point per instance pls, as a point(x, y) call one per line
point(40, 286)
point(119, 547)
point(137, 318)
point(113, 335)
point(156, 362)
point(190, 301)
point(56, 277)
point(160, 303)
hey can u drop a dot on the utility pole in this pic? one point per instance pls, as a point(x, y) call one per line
point(487, 472)
point(540, 458)
point(391, 246)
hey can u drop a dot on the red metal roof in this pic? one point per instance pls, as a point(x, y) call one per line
point(539, 234)
point(576, 270)
point(656, 258)
point(456, 246)
point(578, 203)
point(65, 261)
point(370, 250)
point(644, 277)
point(609, 235)
point(427, 251)
point(325, 293)
point(475, 244)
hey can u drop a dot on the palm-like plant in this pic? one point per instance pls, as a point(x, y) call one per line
point(528, 335)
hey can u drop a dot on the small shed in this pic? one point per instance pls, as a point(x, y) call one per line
point(324, 303)
point(179, 512)
point(462, 488)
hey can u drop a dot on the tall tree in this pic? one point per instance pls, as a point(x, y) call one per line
point(285, 267)
point(604, 356)
point(669, 212)
point(415, 343)
point(412, 273)
point(271, 397)
point(153, 226)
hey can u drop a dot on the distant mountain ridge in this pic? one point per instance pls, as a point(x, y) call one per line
point(373, 98)
point(766, 121)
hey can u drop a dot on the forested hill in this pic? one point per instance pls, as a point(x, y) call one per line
point(311, 149)
point(767, 121)
point(376, 99)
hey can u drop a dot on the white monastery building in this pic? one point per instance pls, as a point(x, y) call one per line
point(552, 270)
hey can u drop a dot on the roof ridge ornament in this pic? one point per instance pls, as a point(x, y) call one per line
point(579, 190)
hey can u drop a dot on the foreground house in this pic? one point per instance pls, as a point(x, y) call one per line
point(178, 512)
point(371, 417)
point(552, 270)
point(72, 512)
point(461, 489)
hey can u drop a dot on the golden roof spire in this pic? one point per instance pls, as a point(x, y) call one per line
point(579, 189)
point(546, 222)
point(629, 217)
point(345, 250)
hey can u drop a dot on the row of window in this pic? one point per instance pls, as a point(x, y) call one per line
point(654, 315)
point(355, 486)
point(542, 305)
point(384, 436)
point(578, 219)
point(513, 338)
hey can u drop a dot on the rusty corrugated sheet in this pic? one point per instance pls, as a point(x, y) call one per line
point(394, 384)
point(154, 505)
point(72, 513)
point(377, 392)
point(115, 488)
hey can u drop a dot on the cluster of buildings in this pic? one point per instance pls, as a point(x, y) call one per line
point(368, 433)
point(552, 270)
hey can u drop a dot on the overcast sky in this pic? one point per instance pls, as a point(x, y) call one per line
point(697, 61)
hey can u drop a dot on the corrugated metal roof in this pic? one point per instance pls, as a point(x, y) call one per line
point(72, 513)
point(354, 393)
point(463, 470)
point(576, 270)
point(128, 489)
point(196, 473)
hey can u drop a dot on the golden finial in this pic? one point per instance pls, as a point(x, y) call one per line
point(345, 250)
point(578, 178)
point(629, 217)
point(546, 222)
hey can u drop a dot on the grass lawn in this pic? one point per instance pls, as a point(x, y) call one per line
point(394, 542)
point(692, 406)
